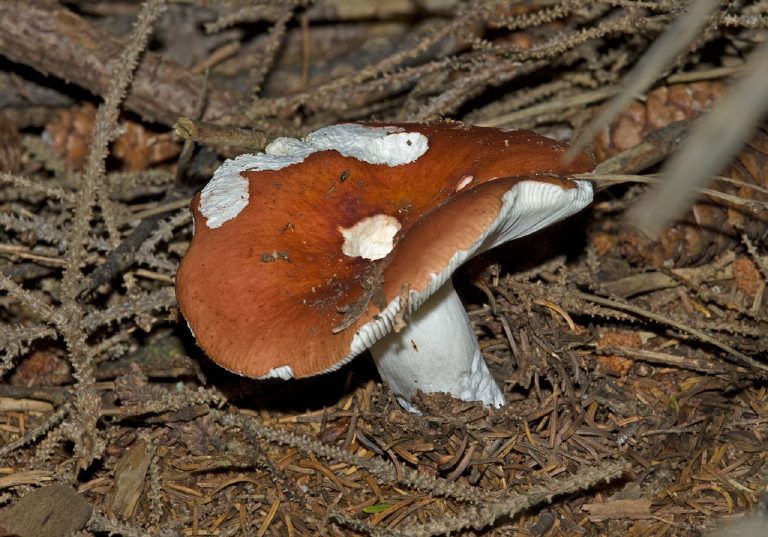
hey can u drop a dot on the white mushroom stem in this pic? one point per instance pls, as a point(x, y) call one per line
point(437, 351)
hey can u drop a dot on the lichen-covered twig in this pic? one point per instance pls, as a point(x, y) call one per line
point(710, 147)
point(483, 514)
point(210, 133)
point(88, 402)
point(124, 255)
point(741, 357)
point(678, 36)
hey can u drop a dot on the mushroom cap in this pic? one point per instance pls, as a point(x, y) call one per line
point(286, 242)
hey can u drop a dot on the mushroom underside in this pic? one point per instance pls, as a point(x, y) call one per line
point(437, 351)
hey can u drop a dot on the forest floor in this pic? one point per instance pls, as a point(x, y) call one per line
point(634, 369)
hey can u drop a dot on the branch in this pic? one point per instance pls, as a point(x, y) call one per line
point(55, 41)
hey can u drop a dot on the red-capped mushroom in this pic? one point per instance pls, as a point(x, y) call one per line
point(303, 256)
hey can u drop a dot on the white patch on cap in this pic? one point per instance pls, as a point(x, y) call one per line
point(375, 145)
point(227, 194)
point(284, 372)
point(283, 152)
point(371, 238)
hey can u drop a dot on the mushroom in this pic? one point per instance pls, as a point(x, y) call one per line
point(308, 254)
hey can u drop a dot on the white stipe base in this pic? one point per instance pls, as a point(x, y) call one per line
point(437, 351)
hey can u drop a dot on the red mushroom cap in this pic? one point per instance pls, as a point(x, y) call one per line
point(266, 280)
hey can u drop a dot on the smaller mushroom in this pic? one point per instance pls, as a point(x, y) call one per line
point(318, 249)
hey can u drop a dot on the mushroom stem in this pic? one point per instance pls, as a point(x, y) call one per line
point(437, 351)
